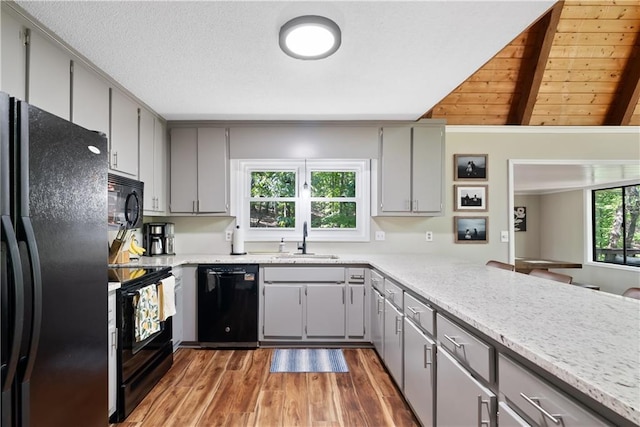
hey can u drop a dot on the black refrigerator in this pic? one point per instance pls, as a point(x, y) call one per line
point(53, 201)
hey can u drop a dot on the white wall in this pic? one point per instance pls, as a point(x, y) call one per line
point(527, 243)
point(206, 235)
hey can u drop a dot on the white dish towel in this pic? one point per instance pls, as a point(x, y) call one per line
point(168, 297)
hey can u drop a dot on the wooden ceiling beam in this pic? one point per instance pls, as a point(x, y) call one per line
point(626, 99)
point(532, 69)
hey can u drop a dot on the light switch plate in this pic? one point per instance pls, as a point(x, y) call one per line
point(504, 236)
point(380, 235)
point(228, 235)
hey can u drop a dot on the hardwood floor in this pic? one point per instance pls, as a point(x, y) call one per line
point(235, 388)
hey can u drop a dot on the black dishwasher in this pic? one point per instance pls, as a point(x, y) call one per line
point(228, 305)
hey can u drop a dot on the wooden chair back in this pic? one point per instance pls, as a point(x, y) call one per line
point(632, 293)
point(558, 277)
point(502, 265)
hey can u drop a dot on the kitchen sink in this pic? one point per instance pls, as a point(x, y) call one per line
point(296, 255)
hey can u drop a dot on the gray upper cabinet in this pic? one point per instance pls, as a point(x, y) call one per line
point(14, 57)
point(124, 134)
point(410, 181)
point(152, 162)
point(199, 171)
point(89, 99)
point(49, 77)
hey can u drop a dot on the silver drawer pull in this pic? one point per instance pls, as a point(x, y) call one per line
point(379, 306)
point(427, 359)
point(453, 341)
point(486, 403)
point(416, 313)
point(532, 400)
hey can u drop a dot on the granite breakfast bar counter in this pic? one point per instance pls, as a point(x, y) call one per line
point(588, 340)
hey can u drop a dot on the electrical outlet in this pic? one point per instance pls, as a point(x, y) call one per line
point(380, 235)
point(429, 236)
point(504, 236)
point(228, 234)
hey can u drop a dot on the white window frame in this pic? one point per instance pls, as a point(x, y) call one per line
point(241, 199)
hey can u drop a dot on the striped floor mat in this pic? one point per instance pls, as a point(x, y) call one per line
point(308, 360)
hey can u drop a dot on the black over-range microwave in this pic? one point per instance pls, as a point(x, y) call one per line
point(126, 201)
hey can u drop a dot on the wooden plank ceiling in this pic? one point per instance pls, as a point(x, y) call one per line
point(578, 65)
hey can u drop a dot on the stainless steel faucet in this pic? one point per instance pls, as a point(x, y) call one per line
point(303, 248)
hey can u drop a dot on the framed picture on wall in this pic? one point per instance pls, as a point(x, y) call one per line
point(471, 229)
point(519, 218)
point(470, 198)
point(472, 167)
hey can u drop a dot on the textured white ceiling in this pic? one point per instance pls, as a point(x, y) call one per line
point(221, 60)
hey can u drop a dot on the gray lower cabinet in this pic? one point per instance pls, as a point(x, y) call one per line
point(283, 311)
point(355, 311)
point(539, 401)
point(325, 310)
point(377, 321)
point(189, 304)
point(419, 372)
point(461, 399)
point(393, 341)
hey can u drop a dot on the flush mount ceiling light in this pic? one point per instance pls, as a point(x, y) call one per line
point(310, 37)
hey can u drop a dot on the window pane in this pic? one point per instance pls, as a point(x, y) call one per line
point(272, 214)
point(333, 184)
point(608, 218)
point(333, 215)
point(632, 224)
point(273, 184)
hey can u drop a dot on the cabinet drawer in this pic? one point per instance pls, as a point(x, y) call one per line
point(540, 401)
point(377, 281)
point(469, 350)
point(393, 293)
point(304, 274)
point(420, 313)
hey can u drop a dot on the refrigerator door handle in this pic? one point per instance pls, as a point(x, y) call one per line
point(36, 279)
point(18, 302)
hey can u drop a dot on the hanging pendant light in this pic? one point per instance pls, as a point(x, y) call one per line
point(306, 190)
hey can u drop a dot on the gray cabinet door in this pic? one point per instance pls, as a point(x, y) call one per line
point(419, 372)
point(395, 185)
point(160, 164)
point(49, 77)
point(377, 321)
point(325, 310)
point(393, 342)
point(356, 302)
point(189, 304)
point(283, 311)
point(213, 171)
point(14, 56)
point(90, 100)
point(427, 169)
point(147, 129)
point(124, 134)
point(184, 170)
point(461, 399)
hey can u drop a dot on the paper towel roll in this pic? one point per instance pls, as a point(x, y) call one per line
point(238, 241)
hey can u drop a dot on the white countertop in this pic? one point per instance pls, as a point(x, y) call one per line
point(586, 338)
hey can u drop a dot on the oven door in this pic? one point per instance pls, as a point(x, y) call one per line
point(137, 354)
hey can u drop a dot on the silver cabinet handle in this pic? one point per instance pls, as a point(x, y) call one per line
point(114, 340)
point(481, 402)
point(115, 159)
point(379, 306)
point(390, 294)
point(415, 313)
point(428, 361)
point(532, 400)
point(398, 321)
point(300, 296)
point(343, 296)
point(408, 205)
point(453, 341)
point(193, 206)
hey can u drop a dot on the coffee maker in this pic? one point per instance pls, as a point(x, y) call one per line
point(158, 238)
